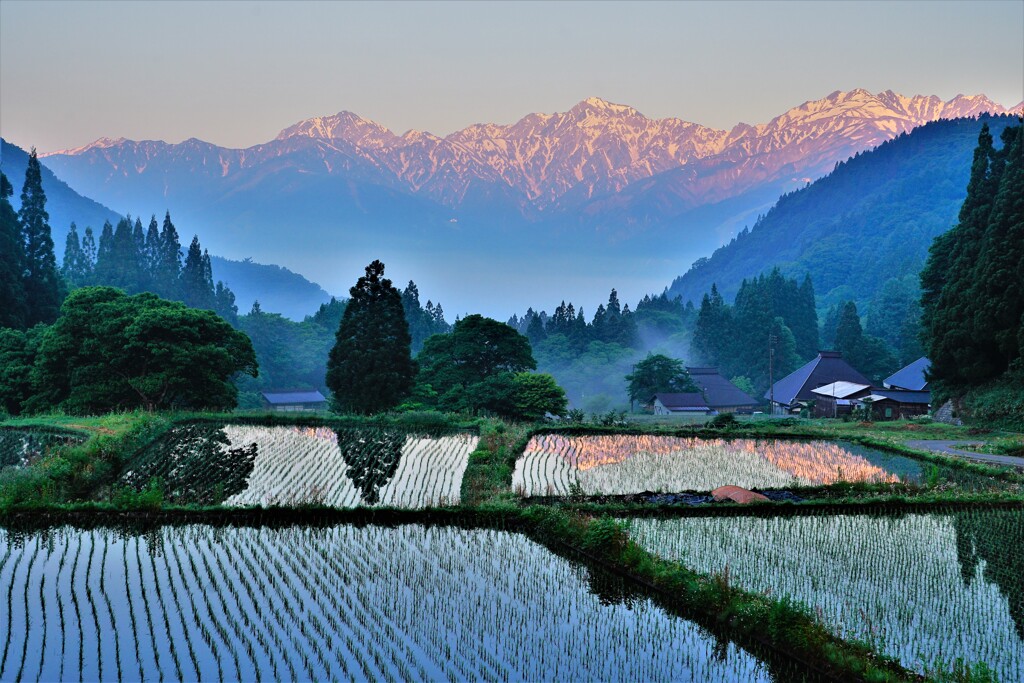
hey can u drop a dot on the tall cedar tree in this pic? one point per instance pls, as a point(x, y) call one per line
point(169, 264)
point(43, 286)
point(12, 262)
point(196, 286)
point(972, 301)
point(370, 368)
point(75, 269)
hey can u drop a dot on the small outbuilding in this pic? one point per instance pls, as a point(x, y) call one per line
point(838, 398)
point(294, 401)
point(691, 403)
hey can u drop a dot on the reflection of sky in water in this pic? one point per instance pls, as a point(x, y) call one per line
point(820, 462)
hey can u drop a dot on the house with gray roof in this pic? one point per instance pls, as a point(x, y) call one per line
point(720, 394)
point(792, 392)
point(691, 403)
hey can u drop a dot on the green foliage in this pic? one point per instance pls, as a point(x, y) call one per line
point(870, 355)
point(43, 286)
point(973, 304)
point(874, 216)
point(658, 374)
point(769, 311)
point(12, 261)
point(18, 352)
point(423, 321)
point(481, 366)
point(112, 351)
point(291, 355)
point(369, 369)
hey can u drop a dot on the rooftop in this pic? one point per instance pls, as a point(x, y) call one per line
point(911, 377)
point(288, 397)
point(828, 367)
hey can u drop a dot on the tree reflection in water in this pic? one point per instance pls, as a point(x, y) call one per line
point(372, 456)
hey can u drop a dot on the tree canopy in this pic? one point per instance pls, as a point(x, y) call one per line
point(972, 299)
point(370, 369)
point(657, 374)
point(111, 351)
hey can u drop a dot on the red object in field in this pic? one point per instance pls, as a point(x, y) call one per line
point(736, 495)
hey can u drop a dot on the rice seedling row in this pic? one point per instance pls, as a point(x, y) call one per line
point(337, 603)
point(554, 464)
point(928, 589)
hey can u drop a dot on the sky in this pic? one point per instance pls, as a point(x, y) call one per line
point(236, 73)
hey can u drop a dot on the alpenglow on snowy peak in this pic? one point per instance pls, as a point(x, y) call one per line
point(598, 162)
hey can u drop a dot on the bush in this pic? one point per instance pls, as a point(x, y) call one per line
point(723, 421)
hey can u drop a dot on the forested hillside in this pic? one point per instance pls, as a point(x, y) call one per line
point(870, 221)
point(973, 305)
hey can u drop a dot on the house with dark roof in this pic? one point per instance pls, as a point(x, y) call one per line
point(720, 394)
point(293, 401)
point(838, 398)
point(691, 403)
point(791, 393)
point(911, 378)
point(896, 404)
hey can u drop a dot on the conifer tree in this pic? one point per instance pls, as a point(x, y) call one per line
point(89, 255)
point(168, 272)
point(196, 282)
point(43, 286)
point(370, 368)
point(104, 272)
point(74, 268)
point(152, 250)
point(12, 262)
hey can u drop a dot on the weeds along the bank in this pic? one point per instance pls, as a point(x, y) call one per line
point(77, 472)
point(488, 477)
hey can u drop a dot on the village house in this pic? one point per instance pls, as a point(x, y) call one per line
point(795, 391)
point(721, 395)
point(294, 401)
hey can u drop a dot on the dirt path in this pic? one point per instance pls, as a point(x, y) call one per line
point(949, 448)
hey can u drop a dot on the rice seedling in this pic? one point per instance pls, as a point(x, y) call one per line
point(338, 602)
point(554, 464)
point(927, 589)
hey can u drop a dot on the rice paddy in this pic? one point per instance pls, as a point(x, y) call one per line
point(20, 447)
point(928, 589)
point(553, 464)
point(334, 603)
point(243, 465)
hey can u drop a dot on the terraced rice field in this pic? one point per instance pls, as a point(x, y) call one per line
point(241, 465)
point(554, 464)
point(343, 602)
point(925, 588)
point(19, 447)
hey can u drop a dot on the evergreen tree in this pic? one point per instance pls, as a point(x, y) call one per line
point(105, 270)
point(12, 262)
point(74, 268)
point(43, 286)
point(89, 255)
point(370, 368)
point(973, 306)
point(152, 250)
point(196, 281)
point(224, 304)
point(168, 272)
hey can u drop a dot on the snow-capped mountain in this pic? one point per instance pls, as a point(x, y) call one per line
point(542, 164)
point(600, 178)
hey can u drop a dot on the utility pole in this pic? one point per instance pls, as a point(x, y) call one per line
point(771, 372)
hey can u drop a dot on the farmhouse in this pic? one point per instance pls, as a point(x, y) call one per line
point(720, 394)
point(895, 404)
point(292, 401)
point(792, 392)
point(838, 398)
point(677, 404)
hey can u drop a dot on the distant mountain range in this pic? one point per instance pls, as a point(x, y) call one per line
point(870, 220)
point(278, 289)
point(553, 194)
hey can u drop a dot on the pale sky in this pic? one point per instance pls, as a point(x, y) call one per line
point(236, 73)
